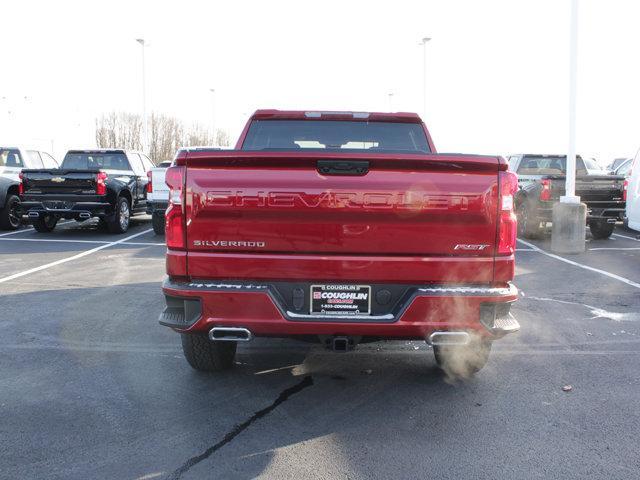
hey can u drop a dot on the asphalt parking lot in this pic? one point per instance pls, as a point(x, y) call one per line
point(92, 387)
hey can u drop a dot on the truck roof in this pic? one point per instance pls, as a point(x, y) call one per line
point(543, 155)
point(98, 150)
point(398, 117)
point(104, 150)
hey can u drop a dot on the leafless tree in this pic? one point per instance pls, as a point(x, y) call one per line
point(222, 138)
point(166, 134)
point(166, 137)
point(119, 130)
point(197, 135)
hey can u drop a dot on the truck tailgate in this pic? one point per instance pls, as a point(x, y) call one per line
point(596, 188)
point(59, 182)
point(160, 192)
point(405, 209)
point(600, 190)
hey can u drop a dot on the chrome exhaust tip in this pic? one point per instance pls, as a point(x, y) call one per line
point(85, 215)
point(33, 215)
point(230, 334)
point(449, 338)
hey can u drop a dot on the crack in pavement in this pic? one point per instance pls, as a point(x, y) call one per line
point(238, 429)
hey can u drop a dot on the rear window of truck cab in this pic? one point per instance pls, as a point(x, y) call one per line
point(10, 157)
point(91, 160)
point(547, 165)
point(336, 135)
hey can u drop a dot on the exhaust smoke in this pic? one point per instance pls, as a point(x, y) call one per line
point(460, 362)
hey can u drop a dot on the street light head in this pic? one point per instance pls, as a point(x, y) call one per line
point(425, 40)
point(140, 41)
point(212, 90)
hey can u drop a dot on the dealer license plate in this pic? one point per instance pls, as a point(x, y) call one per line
point(341, 299)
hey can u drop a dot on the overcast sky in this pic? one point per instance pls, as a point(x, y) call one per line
point(497, 70)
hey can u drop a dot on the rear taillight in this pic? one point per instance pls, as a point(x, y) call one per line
point(507, 226)
point(21, 184)
point(625, 187)
point(175, 230)
point(149, 184)
point(101, 186)
point(545, 193)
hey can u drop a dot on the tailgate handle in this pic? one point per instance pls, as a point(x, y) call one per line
point(343, 167)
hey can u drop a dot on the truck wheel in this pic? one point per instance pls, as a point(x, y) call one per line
point(601, 229)
point(463, 361)
point(9, 216)
point(157, 221)
point(45, 223)
point(205, 355)
point(528, 223)
point(120, 221)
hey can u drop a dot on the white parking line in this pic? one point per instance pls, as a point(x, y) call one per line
point(145, 243)
point(22, 230)
point(54, 240)
point(625, 236)
point(28, 229)
point(73, 257)
point(615, 248)
point(65, 240)
point(580, 265)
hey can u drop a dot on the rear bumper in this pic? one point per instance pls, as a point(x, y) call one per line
point(65, 209)
point(609, 214)
point(156, 206)
point(198, 307)
point(545, 213)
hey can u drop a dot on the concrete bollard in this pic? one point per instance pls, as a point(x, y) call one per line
point(569, 227)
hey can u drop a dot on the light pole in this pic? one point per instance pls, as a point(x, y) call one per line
point(423, 42)
point(145, 139)
point(213, 114)
point(570, 186)
point(569, 216)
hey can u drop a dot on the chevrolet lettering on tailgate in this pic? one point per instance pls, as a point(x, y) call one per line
point(390, 200)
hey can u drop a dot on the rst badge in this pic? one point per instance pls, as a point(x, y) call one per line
point(471, 246)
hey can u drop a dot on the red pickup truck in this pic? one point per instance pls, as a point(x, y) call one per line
point(339, 227)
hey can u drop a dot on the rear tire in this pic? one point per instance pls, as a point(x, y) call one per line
point(9, 217)
point(45, 223)
point(463, 361)
point(157, 221)
point(528, 222)
point(120, 221)
point(207, 356)
point(601, 229)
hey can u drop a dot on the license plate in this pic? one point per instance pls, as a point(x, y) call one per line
point(341, 299)
point(55, 205)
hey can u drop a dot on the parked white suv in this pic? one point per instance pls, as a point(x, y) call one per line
point(633, 194)
point(157, 196)
point(12, 161)
point(158, 192)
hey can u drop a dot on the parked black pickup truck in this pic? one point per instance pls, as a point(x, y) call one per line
point(541, 182)
point(108, 184)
